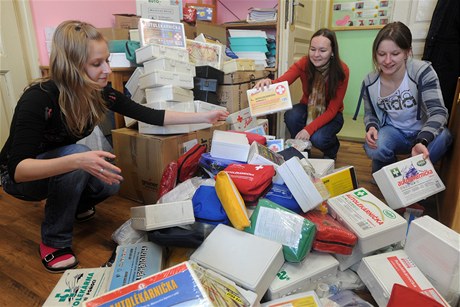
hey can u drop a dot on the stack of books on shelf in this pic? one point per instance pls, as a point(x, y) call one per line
point(261, 14)
point(249, 44)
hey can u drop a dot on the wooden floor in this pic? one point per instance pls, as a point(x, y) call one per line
point(24, 282)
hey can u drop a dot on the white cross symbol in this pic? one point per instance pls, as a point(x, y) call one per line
point(395, 172)
point(178, 36)
point(280, 89)
point(259, 167)
point(360, 193)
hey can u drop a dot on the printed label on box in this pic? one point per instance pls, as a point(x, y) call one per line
point(274, 99)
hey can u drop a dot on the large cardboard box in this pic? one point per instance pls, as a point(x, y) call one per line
point(114, 34)
point(142, 158)
point(126, 21)
point(215, 31)
point(233, 97)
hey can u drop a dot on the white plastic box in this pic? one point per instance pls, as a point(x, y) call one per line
point(186, 106)
point(160, 78)
point(170, 129)
point(169, 65)
point(120, 60)
point(250, 261)
point(160, 216)
point(299, 277)
point(407, 181)
point(229, 145)
point(380, 272)
point(435, 249)
point(241, 120)
point(203, 106)
point(154, 51)
point(168, 93)
point(375, 224)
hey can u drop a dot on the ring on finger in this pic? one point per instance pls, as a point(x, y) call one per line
point(101, 170)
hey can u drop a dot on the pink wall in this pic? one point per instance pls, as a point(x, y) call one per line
point(50, 13)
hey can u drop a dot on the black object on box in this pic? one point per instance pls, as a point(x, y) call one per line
point(203, 84)
point(206, 96)
point(210, 72)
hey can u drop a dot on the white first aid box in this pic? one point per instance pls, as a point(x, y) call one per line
point(406, 182)
point(171, 65)
point(380, 272)
point(375, 224)
point(435, 249)
point(230, 145)
point(164, 215)
point(154, 51)
point(168, 93)
point(250, 261)
point(304, 276)
point(161, 78)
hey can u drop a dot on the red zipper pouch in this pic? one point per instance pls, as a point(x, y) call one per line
point(331, 236)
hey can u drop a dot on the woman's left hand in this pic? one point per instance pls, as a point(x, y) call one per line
point(303, 135)
point(419, 148)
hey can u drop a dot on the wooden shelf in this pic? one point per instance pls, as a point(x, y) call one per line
point(250, 25)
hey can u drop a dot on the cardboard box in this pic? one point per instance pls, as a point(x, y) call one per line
point(406, 182)
point(244, 77)
point(126, 21)
point(215, 31)
point(143, 158)
point(114, 34)
point(233, 97)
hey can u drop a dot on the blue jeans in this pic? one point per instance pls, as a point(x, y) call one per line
point(392, 141)
point(65, 195)
point(325, 138)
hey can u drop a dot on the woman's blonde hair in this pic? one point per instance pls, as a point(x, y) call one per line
point(80, 97)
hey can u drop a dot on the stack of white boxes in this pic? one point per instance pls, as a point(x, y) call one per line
point(164, 83)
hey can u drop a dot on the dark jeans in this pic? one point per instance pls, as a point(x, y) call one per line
point(65, 195)
point(325, 138)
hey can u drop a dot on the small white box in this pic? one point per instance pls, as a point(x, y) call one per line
point(164, 215)
point(169, 65)
point(435, 249)
point(406, 182)
point(133, 82)
point(250, 261)
point(300, 184)
point(154, 51)
point(187, 106)
point(160, 78)
point(234, 65)
point(119, 60)
point(229, 145)
point(241, 120)
point(202, 106)
point(168, 93)
point(309, 299)
point(299, 277)
point(375, 224)
point(380, 272)
point(170, 129)
point(322, 167)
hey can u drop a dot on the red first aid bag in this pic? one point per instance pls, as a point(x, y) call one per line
point(331, 236)
point(168, 179)
point(188, 163)
point(252, 181)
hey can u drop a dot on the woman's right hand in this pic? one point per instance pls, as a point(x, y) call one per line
point(96, 163)
point(371, 137)
point(261, 84)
